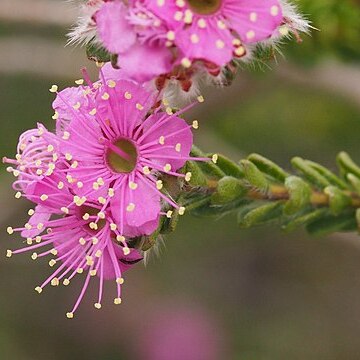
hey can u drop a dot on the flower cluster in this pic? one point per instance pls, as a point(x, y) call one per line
point(184, 40)
point(98, 182)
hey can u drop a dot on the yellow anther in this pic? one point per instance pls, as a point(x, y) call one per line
point(55, 282)
point(178, 147)
point(52, 262)
point(38, 289)
point(188, 176)
point(195, 124)
point(120, 238)
point(34, 256)
point(98, 253)
point(215, 158)
point(54, 252)
point(132, 185)
point(10, 230)
point(162, 140)
point(113, 226)
point(127, 95)
point(80, 270)
point(167, 167)
point(200, 99)
point(120, 280)
point(8, 253)
point(79, 82)
point(126, 250)
point(181, 210)
point(139, 106)
point(82, 241)
point(146, 170)
point(97, 306)
point(169, 214)
point(105, 96)
point(130, 207)
point(18, 195)
point(93, 272)
point(70, 315)
point(95, 240)
point(54, 89)
point(66, 282)
point(117, 301)
point(111, 83)
point(159, 184)
point(44, 197)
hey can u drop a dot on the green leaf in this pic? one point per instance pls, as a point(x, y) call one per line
point(347, 165)
point(227, 190)
point(306, 218)
point(268, 167)
point(299, 192)
point(261, 214)
point(354, 181)
point(229, 167)
point(254, 176)
point(331, 224)
point(338, 199)
point(209, 169)
point(197, 176)
point(329, 175)
point(312, 175)
point(97, 53)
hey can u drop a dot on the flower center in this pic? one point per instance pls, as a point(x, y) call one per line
point(121, 156)
point(204, 7)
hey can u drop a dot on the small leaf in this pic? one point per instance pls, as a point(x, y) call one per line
point(268, 167)
point(304, 219)
point(197, 176)
point(261, 214)
point(347, 165)
point(338, 200)
point(227, 190)
point(331, 224)
point(329, 175)
point(312, 175)
point(229, 167)
point(299, 192)
point(354, 181)
point(209, 169)
point(97, 53)
point(254, 176)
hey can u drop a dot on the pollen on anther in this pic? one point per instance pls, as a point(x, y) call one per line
point(178, 147)
point(169, 214)
point(159, 184)
point(126, 251)
point(120, 238)
point(66, 282)
point(8, 253)
point(181, 210)
point(97, 306)
point(120, 280)
point(215, 158)
point(52, 262)
point(130, 207)
point(117, 301)
point(10, 230)
point(54, 89)
point(188, 176)
point(167, 167)
point(70, 315)
point(34, 256)
point(38, 289)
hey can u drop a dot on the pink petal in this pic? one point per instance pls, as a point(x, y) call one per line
point(184, 138)
point(42, 214)
point(253, 20)
point(144, 62)
point(114, 30)
point(143, 220)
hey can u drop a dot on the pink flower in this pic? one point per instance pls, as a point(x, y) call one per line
point(36, 157)
point(81, 236)
point(137, 37)
point(215, 30)
point(119, 146)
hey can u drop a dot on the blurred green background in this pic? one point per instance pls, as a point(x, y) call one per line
point(216, 292)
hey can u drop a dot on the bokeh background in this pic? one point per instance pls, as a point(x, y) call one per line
point(216, 292)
